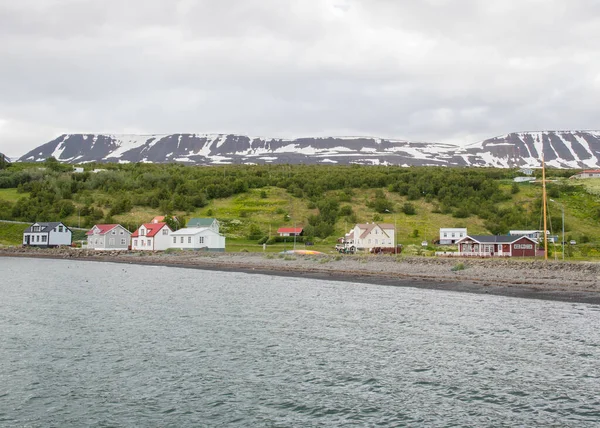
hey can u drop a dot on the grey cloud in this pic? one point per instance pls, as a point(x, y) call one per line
point(432, 70)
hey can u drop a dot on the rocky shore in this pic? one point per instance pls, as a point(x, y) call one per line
point(568, 281)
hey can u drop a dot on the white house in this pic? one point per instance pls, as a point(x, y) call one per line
point(49, 234)
point(151, 237)
point(451, 235)
point(370, 235)
point(588, 173)
point(196, 238)
point(108, 237)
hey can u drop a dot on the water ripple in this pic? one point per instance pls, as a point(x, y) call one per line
point(177, 347)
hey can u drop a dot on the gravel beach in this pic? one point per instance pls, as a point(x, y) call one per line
point(566, 281)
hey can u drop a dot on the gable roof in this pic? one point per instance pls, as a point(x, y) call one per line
point(103, 229)
point(44, 226)
point(368, 228)
point(496, 239)
point(200, 222)
point(290, 230)
point(161, 219)
point(186, 231)
point(152, 229)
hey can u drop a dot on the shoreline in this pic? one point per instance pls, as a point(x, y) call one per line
point(557, 281)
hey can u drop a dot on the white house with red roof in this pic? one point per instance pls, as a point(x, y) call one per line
point(370, 235)
point(151, 237)
point(108, 237)
point(290, 231)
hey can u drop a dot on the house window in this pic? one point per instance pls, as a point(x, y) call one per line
point(123, 241)
point(44, 238)
point(201, 240)
point(37, 238)
point(445, 235)
point(60, 229)
point(121, 233)
point(143, 232)
point(174, 240)
point(143, 243)
point(165, 231)
point(149, 243)
point(114, 232)
point(181, 240)
point(189, 239)
point(376, 241)
point(453, 235)
point(135, 242)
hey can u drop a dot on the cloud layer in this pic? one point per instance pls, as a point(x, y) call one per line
point(427, 70)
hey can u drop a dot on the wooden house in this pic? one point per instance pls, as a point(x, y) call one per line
point(47, 234)
point(497, 246)
point(108, 237)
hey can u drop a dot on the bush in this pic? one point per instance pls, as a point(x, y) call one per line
point(459, 266)
point(409, 209)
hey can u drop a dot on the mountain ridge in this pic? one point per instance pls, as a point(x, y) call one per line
point(562, 149)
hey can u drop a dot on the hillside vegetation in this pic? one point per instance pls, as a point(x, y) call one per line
point(251, 202)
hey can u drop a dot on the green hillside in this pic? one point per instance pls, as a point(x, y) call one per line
point(252, 202)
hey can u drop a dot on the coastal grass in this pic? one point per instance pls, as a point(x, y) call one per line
point(11, 233)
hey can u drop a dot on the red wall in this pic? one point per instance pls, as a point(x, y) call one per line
point(517, 252)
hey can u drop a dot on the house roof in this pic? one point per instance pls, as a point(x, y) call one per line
point(496, 239)
point(44, 226)
point(104, 229)
point(290, 230)
point(200, 222)
point(161, 219)
point(590, 171)
point(186, 231)
point(368, 228)
point(152, 229)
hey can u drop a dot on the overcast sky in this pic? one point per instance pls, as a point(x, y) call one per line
point(455, 71)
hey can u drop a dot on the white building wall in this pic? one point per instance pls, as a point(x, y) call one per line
point(60, 238)
point(162, 242)
point(190, 240)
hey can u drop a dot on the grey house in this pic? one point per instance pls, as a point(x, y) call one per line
point(47, 234)
point(108, 237)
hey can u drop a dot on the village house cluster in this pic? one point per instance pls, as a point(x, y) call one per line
point(199, 234)
point(203, 234)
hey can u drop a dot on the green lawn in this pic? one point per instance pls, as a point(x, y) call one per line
point(11, 195)
point(12, 233)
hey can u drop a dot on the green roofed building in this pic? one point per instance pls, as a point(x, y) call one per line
point(211, 223)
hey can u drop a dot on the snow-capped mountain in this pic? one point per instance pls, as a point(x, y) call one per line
point(562, 149)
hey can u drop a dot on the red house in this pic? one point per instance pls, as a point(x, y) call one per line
point(290, 231)
point(497, 246)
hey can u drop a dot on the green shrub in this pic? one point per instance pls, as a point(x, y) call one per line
point(459, 266)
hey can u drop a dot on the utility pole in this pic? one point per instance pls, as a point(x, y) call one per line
point(544, 202)
point(562, 209)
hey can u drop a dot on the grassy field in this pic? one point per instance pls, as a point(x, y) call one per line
point(11, 195)
point(11, 233)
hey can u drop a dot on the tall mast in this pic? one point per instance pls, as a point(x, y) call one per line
point(544, 207)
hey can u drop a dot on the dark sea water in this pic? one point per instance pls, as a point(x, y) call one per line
point(100, 344)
